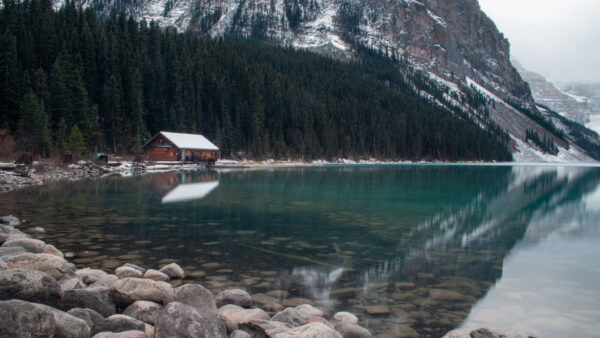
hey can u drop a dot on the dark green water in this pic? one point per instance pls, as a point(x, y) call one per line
point(424, 247)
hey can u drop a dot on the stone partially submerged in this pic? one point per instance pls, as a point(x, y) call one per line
point(55, 266)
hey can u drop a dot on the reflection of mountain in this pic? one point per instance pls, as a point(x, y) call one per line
point(453, 257)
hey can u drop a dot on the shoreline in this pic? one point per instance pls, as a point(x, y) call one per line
point(36, 280)
point(11, 177)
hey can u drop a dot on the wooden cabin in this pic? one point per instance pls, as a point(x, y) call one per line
point(172, 147)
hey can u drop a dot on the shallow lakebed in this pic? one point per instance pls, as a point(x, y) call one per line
point(405, 247)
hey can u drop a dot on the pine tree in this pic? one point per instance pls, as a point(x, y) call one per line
point(76, 142)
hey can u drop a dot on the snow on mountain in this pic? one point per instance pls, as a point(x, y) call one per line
point(452, 44)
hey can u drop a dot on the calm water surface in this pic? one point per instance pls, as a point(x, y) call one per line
point(427, 248)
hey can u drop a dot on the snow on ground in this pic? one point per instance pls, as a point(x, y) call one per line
point(527, 154)
point(594, 123)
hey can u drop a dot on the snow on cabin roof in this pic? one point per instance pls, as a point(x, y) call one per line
point(189, 141)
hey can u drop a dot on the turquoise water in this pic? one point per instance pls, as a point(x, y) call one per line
point(422, 247)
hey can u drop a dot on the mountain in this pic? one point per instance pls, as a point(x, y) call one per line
point(579, 102)
point(451, 45)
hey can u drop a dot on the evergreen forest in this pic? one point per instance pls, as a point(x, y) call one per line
point(73, 83)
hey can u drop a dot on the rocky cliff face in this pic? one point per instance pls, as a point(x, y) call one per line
point(453, 39)
point(451, 42)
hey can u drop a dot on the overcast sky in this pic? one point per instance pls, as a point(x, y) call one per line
point(559, 39)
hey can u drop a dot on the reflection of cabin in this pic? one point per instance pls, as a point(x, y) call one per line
point(167, 146)
point(178, 187)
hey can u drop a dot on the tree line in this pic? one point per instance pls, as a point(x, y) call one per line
point(71, 82)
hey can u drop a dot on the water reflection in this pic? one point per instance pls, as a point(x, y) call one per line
point(191, 187)
point(405, 248)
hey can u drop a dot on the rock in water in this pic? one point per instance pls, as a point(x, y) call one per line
point(29, 244)
point(96, 298)
point(233, 316)
point(349, 330)
point(196, 296)
point(23, 319)
point(345, 317)
point(10, 220)
point(156, 275)
point(128, 290)
point(55, 266)
point(125, 271)
point(118, 323)
point(234, 296)
point(311, 330)
point(173, 270)
point(296, 316)
point(181, 320)
point(29, 285)
point(144, 310)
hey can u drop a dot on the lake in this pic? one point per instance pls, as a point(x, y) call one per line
point(411, 247)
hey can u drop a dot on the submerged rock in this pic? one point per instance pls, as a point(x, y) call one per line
point(448, 295)
point(350, 330)
point(181, 320)
point(309, 331)
point(29, 285)
point(10, 220)
point(234, 296)
point(296, 316)
point(125, 271)
point(156, 275)
point(345, 317)
point(173, 270)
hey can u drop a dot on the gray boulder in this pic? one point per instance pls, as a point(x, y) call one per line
point(139, 268)
point(349, 330)
point(91, 276)
point(156, 275)
point(30, 285)
point(233, 316)
point(55, 266)
point(309, 331)
point(71, 281)
point(51, 249)
point(124, 334)
point(195, 295)
point(173, 270)
point(345, 317)
point(296, 316)
point(90, 316)
point(118, 323)
point(9, 251)
point(29, 244)
point(143, 310)
point(3, 265)
point(239, 334)
point(96, 298)
point(265, 328)
point(10, 220)
point(181, 320)
point(23, 319)
point(128, 290)
point(234, 296)
point(126, 271)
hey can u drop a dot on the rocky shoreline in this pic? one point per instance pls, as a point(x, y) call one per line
point(44, 295)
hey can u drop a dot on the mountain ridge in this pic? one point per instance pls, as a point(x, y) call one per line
point(452, 42)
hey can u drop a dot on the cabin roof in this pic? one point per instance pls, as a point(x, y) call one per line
point(187, 141)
